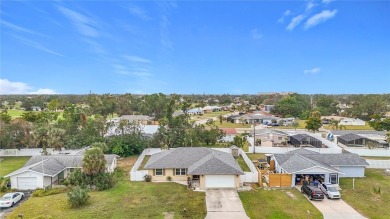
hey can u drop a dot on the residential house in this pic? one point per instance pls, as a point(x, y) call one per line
point(43, 171)
point(206, 168)
point(303, 163)
point(271, 137)
point(379, 136)
point(230, 133)
point(138, 119)
point(352, 121)
point(209, 109)
point(195, 111)
point(305, 140)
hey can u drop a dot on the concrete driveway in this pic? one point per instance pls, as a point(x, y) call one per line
point(224, 203)
point(335, 209)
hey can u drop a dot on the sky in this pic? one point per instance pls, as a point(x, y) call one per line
point(194, 47)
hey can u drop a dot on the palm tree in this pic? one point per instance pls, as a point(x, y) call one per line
point(94, 161)
point(56, 138)
point(334, 124)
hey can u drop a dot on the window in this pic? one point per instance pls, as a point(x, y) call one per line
point(279, 138)
point(159, 172)
point(333, 178)
point(180, 172)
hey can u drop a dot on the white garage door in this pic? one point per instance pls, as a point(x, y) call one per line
point(219, 181)
point(25, 183)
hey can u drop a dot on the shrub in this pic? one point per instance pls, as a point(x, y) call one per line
point(376, 190)
point(41, 192)
point(4, 184)
point(148, 178)
point(76, 178)
point(169, 178)
point(77, 197)
point(104, 181)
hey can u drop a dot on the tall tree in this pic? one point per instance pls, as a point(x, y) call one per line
point(94, 162)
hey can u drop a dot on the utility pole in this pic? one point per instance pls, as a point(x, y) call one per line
point(254, 137)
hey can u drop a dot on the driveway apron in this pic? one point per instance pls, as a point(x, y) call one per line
point(224, 203)
point(335, 209)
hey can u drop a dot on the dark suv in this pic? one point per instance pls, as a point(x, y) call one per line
point(312, 192)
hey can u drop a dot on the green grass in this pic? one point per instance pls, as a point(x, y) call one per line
point(301, 125)
point(10, 164)
point(15, 113)
point(363, 199)
point(144, 161)
point(277, 204)
point(256, 156)
point(226, 124)
point(210, 115)
point(242, 164)
point(126, 200)
point(352, 127)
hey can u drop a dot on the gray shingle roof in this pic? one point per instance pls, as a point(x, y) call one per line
point(302, 151)
point(53, 164)
point(295, 162)
point(198, 160)
point(350, 137)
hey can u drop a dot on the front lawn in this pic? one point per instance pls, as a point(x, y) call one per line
point(256, 156)
point(10, 164)
point(376, 158)
point(277, 204)
point(126, 200)
point(243, 164)
point(363, 198)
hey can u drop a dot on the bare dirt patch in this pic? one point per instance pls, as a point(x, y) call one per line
point(169, 215)
point(291, 195)
point(127, 162)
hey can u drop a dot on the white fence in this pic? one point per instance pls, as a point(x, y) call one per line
point(138, 175)
point(34, 152)
point(252, 176)
point(370, 152)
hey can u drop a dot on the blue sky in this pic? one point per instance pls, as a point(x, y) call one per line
point(186, 47)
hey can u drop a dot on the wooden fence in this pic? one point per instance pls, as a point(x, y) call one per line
point(279, 180)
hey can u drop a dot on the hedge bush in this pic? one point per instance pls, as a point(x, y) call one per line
point(77, 197)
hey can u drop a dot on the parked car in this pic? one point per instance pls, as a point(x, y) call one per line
point(330, 190)
point(9, 199)
point(312, 192)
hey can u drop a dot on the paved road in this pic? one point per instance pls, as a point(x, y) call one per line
point(335, 209)
point(380, 164)
point(224, 203)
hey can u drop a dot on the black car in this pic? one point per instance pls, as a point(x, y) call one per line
point(312, 192)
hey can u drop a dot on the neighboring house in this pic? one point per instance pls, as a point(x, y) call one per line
point(332, 135)
point(137, 119)
point(352, 121)
point(354, 140)
point(36, 108)
point(305, 140)
point(270, 137)
point(268, 108)
point(195, 111)
point(43, 171)
point(207, 168)
point(209, 109)
point(177, 113)
point(230, 133)
point(302, 163)
point(149, 130)
point(251, 118)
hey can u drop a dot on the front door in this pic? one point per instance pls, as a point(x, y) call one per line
point(334, 178)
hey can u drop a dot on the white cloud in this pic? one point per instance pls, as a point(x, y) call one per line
point(137, 59)
point(285, 14)
point(43, 91)
point(85, 25)
point(138, 12)
point(320, 18)
point(18, 28)
point(327, 1)
point(9, 87)
point(295, 21)
point(310, 5)
point(36, 45)
point(256, 35)
point(312, 71)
